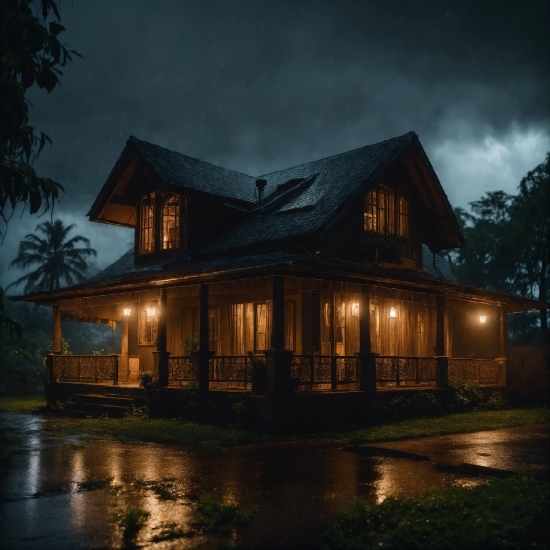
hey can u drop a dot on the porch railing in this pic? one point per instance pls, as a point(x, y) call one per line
point(325, 371)
point(485, 372)
point(394, 371)
point(84, 368)
point(225, 371)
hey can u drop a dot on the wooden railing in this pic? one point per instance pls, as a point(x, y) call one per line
point(83, 368)
point(182, 370)
point(231, 371)
point(485, 372)
point(319, 372)
point(394, 371)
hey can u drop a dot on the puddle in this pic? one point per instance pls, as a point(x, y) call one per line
point(56, 493)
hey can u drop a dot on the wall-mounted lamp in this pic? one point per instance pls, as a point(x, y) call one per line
point(355, 308)
point(126, 311)
point(151, 311)
point(483, 319)
point(394, 313)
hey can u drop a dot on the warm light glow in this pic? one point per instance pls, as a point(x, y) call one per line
point(126, 311)
point(355, 308)
point(393, 313)
point(482, 319)
point(151, 311)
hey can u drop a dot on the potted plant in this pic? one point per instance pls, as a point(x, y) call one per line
point(146, 380)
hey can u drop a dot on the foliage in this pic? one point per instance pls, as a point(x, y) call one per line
point(190, 344)
point(146, 376)
point(465, 395)
point(407, 406)
point(381, 248)
point(58, 259)
point(508, 248)
point(214, 516)
point(31, 53)
point(496, 401)
point(508, 513)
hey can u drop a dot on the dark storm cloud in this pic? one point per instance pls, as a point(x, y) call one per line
point(257, 86)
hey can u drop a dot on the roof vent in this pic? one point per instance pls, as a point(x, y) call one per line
point(260, 184)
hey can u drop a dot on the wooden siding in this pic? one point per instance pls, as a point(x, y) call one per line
point(527, 372)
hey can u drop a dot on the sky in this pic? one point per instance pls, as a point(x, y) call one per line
point(257, 86)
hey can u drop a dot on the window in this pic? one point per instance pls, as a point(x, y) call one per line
point(170, 221)
point(387, 212)
point(148, 324)
point(147, 224)
point(251, 326)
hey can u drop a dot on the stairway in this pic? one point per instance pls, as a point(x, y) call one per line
point(114, 404)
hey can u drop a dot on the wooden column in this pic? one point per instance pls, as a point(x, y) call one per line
point(278, 359)
point(124, 359)
point(278, 324)
point(161, 340)
point(316, 321)
point(440, 351)
point(503, 346)
point(367, 359)
point(56, 344)
point(204, 338)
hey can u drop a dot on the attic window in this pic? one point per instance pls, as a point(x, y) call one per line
point(171, 214)
point(147, 224)
point(386, 212)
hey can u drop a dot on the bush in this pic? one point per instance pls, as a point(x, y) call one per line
point(510, 513)
point(495, 401)
point(465, 395)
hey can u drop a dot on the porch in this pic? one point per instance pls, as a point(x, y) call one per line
point(322, 373)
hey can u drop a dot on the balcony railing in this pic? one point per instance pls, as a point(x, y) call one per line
point(182, 370)
point(405, 371)
point(84, 368)
point(485, 372)
point(325, 372)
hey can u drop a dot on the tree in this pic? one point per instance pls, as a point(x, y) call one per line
point(30, 53)
point(508, 246)
point(58, 259)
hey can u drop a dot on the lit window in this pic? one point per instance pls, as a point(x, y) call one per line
point(147, 224)
point(171, 214)
point(387, 212)
point(148, 324)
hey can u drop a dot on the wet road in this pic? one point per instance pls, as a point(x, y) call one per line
point(61, 493)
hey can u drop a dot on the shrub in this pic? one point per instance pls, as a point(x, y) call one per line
point(495, 401)
point(465, 395)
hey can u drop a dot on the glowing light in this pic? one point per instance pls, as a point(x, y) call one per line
point(394, 314)
point(483, 319)
point(151, 311)
point(126, 311)
point(355, 308)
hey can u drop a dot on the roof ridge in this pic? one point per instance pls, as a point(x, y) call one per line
point(410, 134)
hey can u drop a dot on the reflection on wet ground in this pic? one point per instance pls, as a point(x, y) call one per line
point(61, 493)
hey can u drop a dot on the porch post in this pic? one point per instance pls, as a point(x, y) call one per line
point(56, 344)
point(278, 359)
point(161, 341)
point(124, 348)
point(204, 339)
point(503, 346)
point(367, 359)
point(440, 351)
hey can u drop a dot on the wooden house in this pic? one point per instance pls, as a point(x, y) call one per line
point(325, 272)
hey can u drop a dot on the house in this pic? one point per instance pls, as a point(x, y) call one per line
point(317, 271)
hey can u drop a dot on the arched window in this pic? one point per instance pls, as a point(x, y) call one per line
point(386, 212)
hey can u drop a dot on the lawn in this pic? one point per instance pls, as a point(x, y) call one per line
point(510, 513)
point(184, 432)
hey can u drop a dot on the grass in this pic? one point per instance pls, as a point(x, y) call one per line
point(213, 516)
point(155, 430)
point(511, 513)
point(22, 403)
point(185, 432)
point(452, 423)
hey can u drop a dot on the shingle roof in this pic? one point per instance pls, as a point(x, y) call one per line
point(180, 170)
point(331, 183)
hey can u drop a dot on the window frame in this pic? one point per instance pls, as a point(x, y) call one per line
point(386, 211)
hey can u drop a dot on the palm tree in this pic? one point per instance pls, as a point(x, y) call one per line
point(58, 259)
